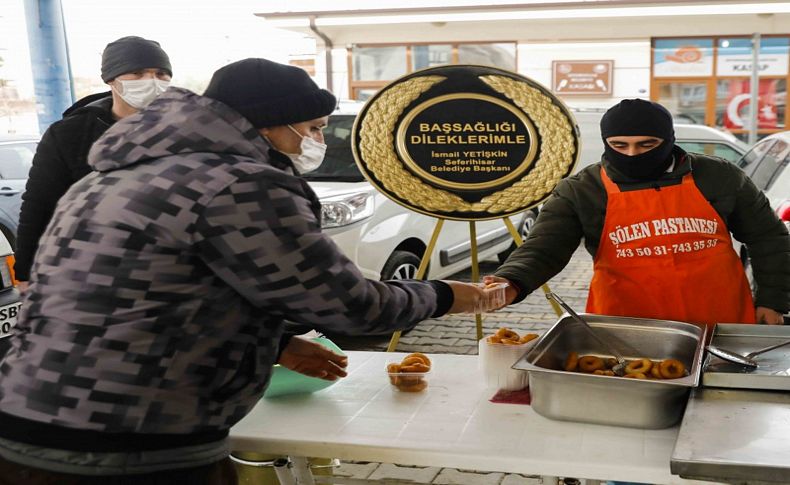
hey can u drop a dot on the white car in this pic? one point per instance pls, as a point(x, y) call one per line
point(384, 239)
point(16, 158)
point(692, 138)
point(10, 300)
point(767, 165)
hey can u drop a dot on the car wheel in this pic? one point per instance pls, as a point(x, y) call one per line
point(402, 265)
point(524, 228)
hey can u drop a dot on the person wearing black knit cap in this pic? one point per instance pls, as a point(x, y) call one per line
point(159, 293)
point(288, 108)
point(658, 222)
point(137, 70)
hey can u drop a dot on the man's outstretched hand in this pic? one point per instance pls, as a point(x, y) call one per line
point(510, 292)
point(313, 359)
point(466, 296)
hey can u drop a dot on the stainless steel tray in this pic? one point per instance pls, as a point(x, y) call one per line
point(734, 436)
point(773, 371)
point(646, 404)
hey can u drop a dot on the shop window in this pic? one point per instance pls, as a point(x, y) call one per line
point(734, 56)
point(683, 71)
point(682, 57)
point(685, 100)
point(379, 63)
point(364, 94)
point(498, 55)
point(733, 104)
point(373, 67)
point(424, 56)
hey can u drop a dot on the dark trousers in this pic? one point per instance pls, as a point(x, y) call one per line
point(219, 473)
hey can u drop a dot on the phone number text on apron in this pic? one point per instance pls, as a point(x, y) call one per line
point(664, 249)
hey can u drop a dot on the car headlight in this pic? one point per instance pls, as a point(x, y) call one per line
point(346, 209)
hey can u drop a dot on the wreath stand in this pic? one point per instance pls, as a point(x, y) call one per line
point(426, 257)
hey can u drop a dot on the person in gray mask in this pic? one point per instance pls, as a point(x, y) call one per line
point(658, 222)
point(137, 71)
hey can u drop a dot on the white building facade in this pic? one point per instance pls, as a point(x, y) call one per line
point(694, 56)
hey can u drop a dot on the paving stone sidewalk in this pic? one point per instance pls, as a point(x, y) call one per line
point(455, 334)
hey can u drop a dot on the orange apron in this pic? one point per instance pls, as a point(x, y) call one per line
point(665, 253)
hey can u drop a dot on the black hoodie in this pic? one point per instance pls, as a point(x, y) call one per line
point(61, 160)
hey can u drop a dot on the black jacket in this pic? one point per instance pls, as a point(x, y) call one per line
point(577, 208)
point(61, 160)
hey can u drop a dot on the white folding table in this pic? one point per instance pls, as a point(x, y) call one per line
point(451, 424)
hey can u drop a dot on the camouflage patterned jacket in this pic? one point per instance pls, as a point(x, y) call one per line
point(160, 286)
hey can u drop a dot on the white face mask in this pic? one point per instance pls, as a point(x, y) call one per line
point(139, 93)
point(312, 154)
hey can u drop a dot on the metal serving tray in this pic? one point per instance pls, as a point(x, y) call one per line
point(773, 371)
point(647, 404)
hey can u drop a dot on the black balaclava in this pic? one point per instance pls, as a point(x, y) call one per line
point(637, 117)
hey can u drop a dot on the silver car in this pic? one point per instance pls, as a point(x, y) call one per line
point(16, 158)
point(767, 165)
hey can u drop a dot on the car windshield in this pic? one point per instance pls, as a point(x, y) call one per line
point(747, 162)
point(339, 162)
point(711, 148)
point(16, 160)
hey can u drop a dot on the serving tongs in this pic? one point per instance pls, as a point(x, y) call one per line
point(619, 368)
point(744, 360)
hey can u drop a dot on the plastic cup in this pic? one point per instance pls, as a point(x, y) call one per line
point(407, 381)
point(493, 297)
point(496, 361)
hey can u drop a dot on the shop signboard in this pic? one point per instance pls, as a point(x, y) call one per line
point(682, 57)
point(590, 78)
point(465, 142)
point(734, 57)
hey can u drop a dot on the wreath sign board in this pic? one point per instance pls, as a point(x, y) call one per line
point(465, 142)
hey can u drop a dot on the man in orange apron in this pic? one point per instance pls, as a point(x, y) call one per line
point(658, 221)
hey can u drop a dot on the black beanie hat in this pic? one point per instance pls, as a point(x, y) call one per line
point(130, 54)
point(637, 117)
point(270, 94)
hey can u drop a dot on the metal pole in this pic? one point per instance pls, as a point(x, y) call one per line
point(475, 274)
point(282, 468)
point(49, 60)
point(423, 268)
point(517, 239)
point(328, 46)
point(301, 470)
point(754, 99)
